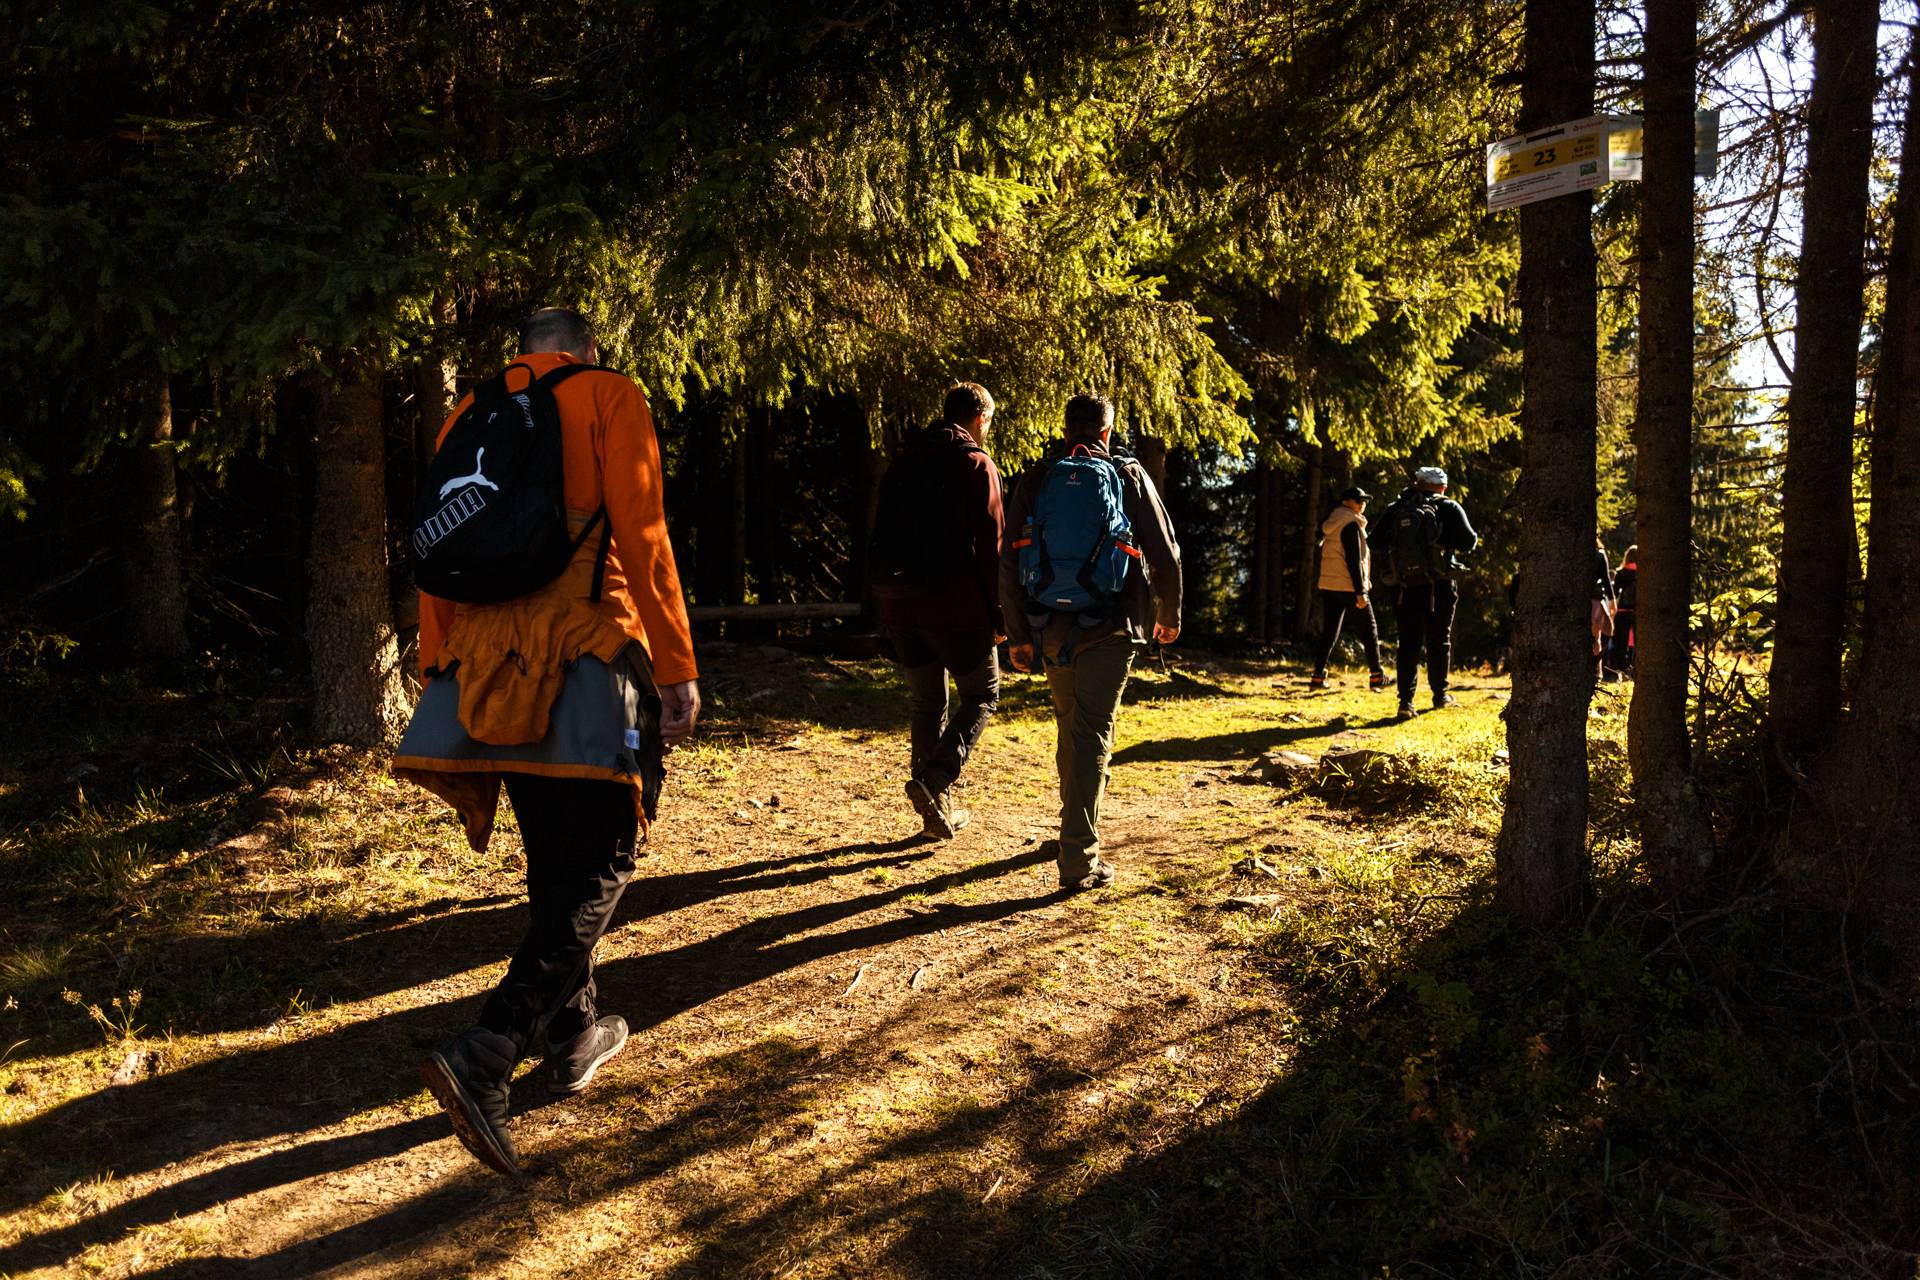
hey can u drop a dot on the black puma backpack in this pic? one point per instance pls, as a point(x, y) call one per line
point(490, 523)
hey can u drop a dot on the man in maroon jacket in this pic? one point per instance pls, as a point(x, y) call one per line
point(937, 556)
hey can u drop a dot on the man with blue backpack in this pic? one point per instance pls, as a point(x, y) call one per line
point(1425, 533)
point(1089, 574)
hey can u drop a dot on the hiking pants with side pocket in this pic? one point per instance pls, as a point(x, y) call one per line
point(1425, 616)
point(1086, 701)
point(579, 836)
point(941, 742)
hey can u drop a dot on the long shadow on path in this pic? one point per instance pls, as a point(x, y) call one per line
point(365, 1065)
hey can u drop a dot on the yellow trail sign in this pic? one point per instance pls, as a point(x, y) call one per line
point(1581, 155)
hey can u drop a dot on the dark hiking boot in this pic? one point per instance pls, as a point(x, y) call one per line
point(954, 816)
point(570, 1066)
point(1376, 681)
point(939, 817)
point(1444, 699)
point(1099, 876)
point(468, 1076)
point(1405, 712)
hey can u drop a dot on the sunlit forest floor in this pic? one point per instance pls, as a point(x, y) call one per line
point(1294, 1034)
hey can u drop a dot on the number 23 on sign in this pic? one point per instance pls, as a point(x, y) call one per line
point(1514, 164)
point(1546, 163)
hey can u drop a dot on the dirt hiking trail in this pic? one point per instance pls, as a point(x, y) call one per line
point(854, 1052)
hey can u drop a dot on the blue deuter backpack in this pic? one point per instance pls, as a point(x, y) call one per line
point(1078, 544)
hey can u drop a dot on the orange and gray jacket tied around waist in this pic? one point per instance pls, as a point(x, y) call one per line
point(561, 682)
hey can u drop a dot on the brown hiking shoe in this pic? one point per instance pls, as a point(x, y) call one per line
point(1098, 876)
point(939, 817)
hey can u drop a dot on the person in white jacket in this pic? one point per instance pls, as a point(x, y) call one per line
point(1345, 580)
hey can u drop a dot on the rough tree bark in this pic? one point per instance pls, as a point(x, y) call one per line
point(1891, 500)
point(358, 697)
point(1309, 544)
point(1263, 566)
point(435, 387)
point(1818, 525)
point(765, 522)
point(1541, 856)
point(1675, 837)
point(156, 596)
point(1872, 781)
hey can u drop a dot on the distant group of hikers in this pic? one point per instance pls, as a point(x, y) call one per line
point(559, 665)
point(1423, 535)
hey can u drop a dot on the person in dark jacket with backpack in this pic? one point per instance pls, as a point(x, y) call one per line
point(1425, 533)
point(1344, 582)
point(936, 565)
point(1090, 573)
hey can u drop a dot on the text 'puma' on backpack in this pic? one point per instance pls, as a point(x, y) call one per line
point(917, 545)
point(490, 523)
point(1078, 544)
point(1413, 539)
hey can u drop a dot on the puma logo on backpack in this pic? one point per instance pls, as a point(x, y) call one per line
point(499, 530)
point(476, 478)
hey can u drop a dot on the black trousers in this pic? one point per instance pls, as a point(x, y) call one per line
point(1620, 650)
point(1334, 608)
point(1425, 615)
point(579, 836)
point(941, 742)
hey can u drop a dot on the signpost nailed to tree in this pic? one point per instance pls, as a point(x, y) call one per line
point(1581, 155)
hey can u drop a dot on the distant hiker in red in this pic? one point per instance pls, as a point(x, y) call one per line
point(1090, 573)
point(558, 662)
point(1344, 582)
point(1626, 581)
point(1600, 614)
point(935, 567)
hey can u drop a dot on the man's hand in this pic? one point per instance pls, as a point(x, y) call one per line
point(679, 708)
point(1020, 657)
point(1360, 602)
point(1164, 634)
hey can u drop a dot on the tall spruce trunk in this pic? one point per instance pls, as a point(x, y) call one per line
point(435, 381)
point(156, 594)
point(1309, 545)
point(1675, 837)
point(1817, 546)
point(1541, 856)
point(1262, 551)
point(1872, 780)
point(358, 697)
point(1891, 499)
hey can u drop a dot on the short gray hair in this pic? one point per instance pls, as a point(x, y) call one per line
point(556, 329)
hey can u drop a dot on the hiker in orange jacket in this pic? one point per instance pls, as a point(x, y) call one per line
point(531, 692)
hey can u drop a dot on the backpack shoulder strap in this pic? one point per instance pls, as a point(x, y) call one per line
point(554, 377)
